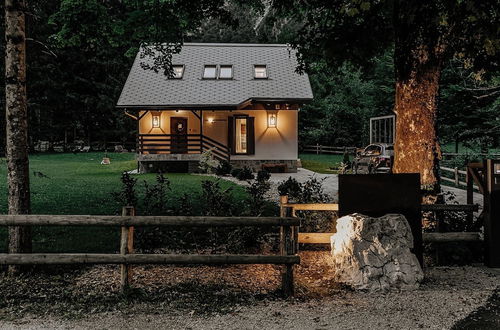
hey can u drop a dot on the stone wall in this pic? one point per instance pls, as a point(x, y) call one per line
point(256, 165)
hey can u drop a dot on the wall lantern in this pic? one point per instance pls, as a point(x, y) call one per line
point(272, 119)
point(156, 121)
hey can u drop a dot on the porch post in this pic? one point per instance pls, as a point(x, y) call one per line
point(201, 131)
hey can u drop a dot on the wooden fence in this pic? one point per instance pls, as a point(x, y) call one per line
point(289, 209)
point(287, 257)
point(320, 149)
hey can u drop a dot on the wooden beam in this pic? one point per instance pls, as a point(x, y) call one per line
point(70, 259)
point(451, 237)
point(313, 207)
point(315, 238)
point(130, 115)
point(173, 221)
point(451, 207)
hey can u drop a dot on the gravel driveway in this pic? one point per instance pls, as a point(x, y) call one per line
point(448, 295)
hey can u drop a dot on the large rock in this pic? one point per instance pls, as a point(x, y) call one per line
point(374, 253)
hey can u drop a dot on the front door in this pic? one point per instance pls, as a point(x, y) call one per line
point(178, 131)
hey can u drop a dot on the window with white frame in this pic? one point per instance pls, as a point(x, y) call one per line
point(210, 72)
point(260, 71)
point(178, 71)
point(226, 72)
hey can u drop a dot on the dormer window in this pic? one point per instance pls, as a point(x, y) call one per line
point(260, 71)
point(226, 72)
point(178, 71)
point(210, 72)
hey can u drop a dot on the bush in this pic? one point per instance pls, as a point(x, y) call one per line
point(127, 195)
point(235, 172)
point(290, 188)
point(256, 201)
point(216, 201)
point(245, 174)
point(263, 175)
point(207, 163)
point(224, 168)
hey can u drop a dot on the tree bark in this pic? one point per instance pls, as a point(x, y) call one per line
point(418, 56)
point(416, 147)
point(17, 123)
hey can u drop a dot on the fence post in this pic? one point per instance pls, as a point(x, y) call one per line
point(317, 148)
point(288, 246)
point(470, 197)
point(457, 181)
point(126, 247)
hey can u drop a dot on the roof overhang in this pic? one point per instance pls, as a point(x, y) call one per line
point(215, 106)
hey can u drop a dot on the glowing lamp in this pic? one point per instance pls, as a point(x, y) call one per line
point(272, 120)
point(156, 121)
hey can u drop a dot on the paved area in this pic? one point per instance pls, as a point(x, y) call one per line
point(331, 183)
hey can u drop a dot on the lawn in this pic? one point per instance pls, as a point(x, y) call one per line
point(79, 184)
point(321, 163)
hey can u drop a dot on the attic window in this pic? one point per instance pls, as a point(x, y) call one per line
point(210, 72)
point(226, 72)
point(178, 71)
point(260, 71)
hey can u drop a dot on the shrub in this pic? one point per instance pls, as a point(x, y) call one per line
point(224, 168)
point(291, 188)
point(256, 200)
point(245, 174)
point(155, 197)
point(235, 172)
point(263, 175)
point(127, 194)
point(207, 162)
point(216, 201)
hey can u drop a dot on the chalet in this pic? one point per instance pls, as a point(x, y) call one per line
point(239, 100)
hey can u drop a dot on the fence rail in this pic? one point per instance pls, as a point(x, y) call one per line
point(456, 177)
point(321, 149)
point(288, 242)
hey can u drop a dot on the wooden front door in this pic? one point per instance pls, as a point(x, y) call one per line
point(178, 131)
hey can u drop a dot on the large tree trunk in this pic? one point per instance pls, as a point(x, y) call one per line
point(418, 58)
point(17, 123)
point(416, 147)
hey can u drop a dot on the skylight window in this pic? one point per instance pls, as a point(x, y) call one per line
point(178, 71)
point(210, 72)
point(260, 72)
point(226, 72)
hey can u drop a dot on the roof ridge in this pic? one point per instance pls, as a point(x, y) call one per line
point(216, 44)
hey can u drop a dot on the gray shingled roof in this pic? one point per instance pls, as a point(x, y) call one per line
point(145, 88)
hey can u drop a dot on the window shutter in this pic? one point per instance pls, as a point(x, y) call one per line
point(251, 135)
point(230, 135)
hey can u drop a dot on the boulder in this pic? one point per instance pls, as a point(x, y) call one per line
point(374, 254)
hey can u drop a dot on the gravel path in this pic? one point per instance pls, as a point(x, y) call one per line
point(448, 295)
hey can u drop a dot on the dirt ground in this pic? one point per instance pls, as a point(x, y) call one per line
point(448, 295)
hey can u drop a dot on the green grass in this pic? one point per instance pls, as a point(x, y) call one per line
point(450, 147)
point(79, 184)
point(321, 163)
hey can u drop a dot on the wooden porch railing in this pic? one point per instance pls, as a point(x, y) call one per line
point(181, 144)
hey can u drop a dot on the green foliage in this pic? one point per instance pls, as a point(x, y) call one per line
point(256, 196)
point(127, 195)
point(245, 173)
point(263, 175)
point(155, 197)
point(208, 163)
point(291, 188)
point(224, 168)
point(216, 201)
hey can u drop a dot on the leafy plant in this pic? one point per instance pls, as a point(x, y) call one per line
point(208, 163)
point(290, 187)
point(263, 175)
point(215, 200)
point(235, 172)
point(224, 168)
point(245, 174)
point(155, 196)
point(127, 195)
point(256, 200)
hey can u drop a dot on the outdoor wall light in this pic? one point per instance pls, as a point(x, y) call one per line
point(156, 121)
point(272, 120)
point(210, 120)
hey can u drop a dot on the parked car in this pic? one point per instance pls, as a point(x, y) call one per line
point(375, 158)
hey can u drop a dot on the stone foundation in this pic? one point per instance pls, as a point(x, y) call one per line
point(256, 165)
